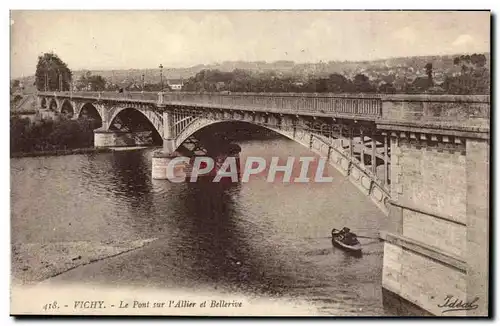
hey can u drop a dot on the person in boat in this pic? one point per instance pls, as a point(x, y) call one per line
point(347, 236)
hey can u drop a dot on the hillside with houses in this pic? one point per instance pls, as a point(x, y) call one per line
point(442, 74)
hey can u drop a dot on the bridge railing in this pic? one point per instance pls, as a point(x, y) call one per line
point(361, 105)
point(421, 108)
point(357, 104)
point(142, 96)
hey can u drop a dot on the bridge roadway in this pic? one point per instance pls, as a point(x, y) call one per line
point(423, 160)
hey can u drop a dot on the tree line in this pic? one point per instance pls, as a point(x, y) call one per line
point(51, 134)
point(473, 79)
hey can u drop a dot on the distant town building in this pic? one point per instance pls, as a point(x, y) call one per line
point(175, 84)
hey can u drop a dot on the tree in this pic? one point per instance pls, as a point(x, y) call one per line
point(52, 73)
point(338, 84)
point(97, 83)
point(428, 72)
point(475, 76)
point(362, 84)
point(14, 85)
point(90, 82)
point(419, 85)
point(470, 62)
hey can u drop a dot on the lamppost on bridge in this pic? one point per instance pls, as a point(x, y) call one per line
point(60, 79)
point(46, 76)
point(49, 73)
point(142, 77)
point(161, 76)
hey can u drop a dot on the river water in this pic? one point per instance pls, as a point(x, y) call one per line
point(257, 238)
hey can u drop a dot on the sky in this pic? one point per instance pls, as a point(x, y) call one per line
point(145, 39)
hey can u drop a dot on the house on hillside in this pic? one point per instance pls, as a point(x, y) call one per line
point(175, 84)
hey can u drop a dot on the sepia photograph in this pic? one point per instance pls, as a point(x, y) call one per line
point(243, 163)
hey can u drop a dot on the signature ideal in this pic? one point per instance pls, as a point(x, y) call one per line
point(454, 304)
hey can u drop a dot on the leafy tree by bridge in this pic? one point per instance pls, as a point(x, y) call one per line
point(474, 77)
point(338, 83)
point(43, 135)
point(52, 73)
point(90, 82)
point(362, 84)
point(428, 72)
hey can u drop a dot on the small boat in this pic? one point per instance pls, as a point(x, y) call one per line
point(349, 243)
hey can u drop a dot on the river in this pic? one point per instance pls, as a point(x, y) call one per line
point(256, 238)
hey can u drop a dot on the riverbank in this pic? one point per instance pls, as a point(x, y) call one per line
point(35, 262)
point(59, 152)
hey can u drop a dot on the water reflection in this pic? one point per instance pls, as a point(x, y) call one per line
point(257, 238)
point(130, 171)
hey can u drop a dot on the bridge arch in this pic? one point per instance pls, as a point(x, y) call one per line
point(89, 111)
point(301, 137)
point(331, 148)
point(43, 103)
point(67, 108)
point(154, 118)
point(53, 105)
point(131, 119)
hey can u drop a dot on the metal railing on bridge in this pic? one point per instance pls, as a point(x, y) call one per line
point(140, 96)
point(361, 105)
point(316, 103)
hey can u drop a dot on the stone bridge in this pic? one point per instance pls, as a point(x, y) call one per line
point(422, 159)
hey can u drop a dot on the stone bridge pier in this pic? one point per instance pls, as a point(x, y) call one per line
point(191, 146)
point(163, 157)
point(437, 235)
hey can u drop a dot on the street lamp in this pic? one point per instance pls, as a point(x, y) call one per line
point(161, 76)
point(50, 73)
point(46, 79)
point(60, 79)
point(143, 83)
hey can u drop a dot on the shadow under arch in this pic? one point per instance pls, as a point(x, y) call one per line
point(89, 112)
point(224, 131)
point(133, 120)
point(53, 105)
point(219, 136)
point(67, 109)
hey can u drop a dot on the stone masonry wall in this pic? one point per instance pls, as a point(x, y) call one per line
point(430, 176)
point(421, 280)
point(116, 139)
point(478, 181)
